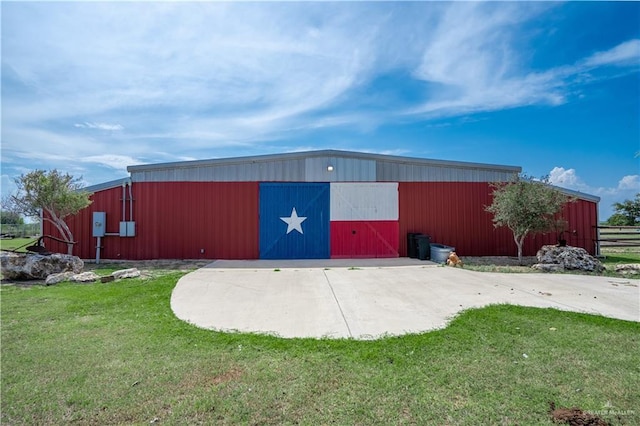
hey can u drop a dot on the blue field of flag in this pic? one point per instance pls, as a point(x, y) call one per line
point(294, 220)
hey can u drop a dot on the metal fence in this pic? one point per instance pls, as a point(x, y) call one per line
point(617, 236)
point(26, 230)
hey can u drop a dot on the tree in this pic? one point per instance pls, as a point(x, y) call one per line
point(10, 218)
point(526, 206)
point(617, 219)
point(55, 194)
point(627, 213)
point(8, 212)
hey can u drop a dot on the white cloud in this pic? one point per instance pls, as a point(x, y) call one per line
point(211, 72)
point(476, 67)
point(626, 188)
point(566, 178)
point(623, 54)
point(631, 182)
point(454, 50)
point(99, 126)
point(246, 72)
point(119, 162)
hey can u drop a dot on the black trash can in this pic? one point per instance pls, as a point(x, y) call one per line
point(424, 246)
point(412, 245)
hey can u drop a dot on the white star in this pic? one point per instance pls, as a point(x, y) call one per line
point(294, 221)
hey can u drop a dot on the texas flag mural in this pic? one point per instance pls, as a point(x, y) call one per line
point(322, 220)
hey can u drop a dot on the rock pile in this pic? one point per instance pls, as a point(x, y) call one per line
point(54, 268)
point(555, 258)
point(125, 273)
point(21, 266)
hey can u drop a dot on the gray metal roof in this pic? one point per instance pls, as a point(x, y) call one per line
point(313, 166)
point(578, 194)
point(319, 153)
point(106, 185)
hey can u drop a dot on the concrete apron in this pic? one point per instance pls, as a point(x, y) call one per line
point(328, 299)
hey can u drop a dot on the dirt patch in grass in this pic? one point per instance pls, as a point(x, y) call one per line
point(499, 263)
point(148, 268)
point(500, 260)
point(200, 379)
point(575, 417)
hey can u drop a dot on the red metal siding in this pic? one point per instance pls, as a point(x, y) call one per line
point(175, 220)
point(106, 201)
point(582, 218)
point(453, 214)
point(364, 239)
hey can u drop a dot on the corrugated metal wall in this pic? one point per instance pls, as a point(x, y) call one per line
point(582, 216)
point(364, 239)
point(393, 171)
point(174, 220)
point(314, 167)
point(453, 214)
point(342, 169)
point(241, 171)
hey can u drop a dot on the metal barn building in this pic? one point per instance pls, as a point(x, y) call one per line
point(318, 204)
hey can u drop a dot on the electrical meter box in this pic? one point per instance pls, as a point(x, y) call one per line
point(99, 223)
point(128, 229)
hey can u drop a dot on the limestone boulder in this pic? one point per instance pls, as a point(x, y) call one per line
point(570, 258)
point(22, 266)
point(126, 273)
point(548, 267)
point(58, 278)
point(628, 268)
point(85, 277)
point(89, 277)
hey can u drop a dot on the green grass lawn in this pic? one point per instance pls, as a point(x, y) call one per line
point(115, 354)
point(610, 258)
point(613, 258)
point(616, 256)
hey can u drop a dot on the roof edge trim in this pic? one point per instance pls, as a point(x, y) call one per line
point(578, 194)
point(107, 185)
point(320, 153)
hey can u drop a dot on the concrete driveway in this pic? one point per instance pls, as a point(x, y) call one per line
point(365, 299)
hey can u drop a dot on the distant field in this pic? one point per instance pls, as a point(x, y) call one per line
point(13, 243)
point(628, 243)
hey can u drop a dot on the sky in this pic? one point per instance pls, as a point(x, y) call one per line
point(90, 88)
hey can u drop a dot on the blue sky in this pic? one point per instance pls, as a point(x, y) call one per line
point(90, 88)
